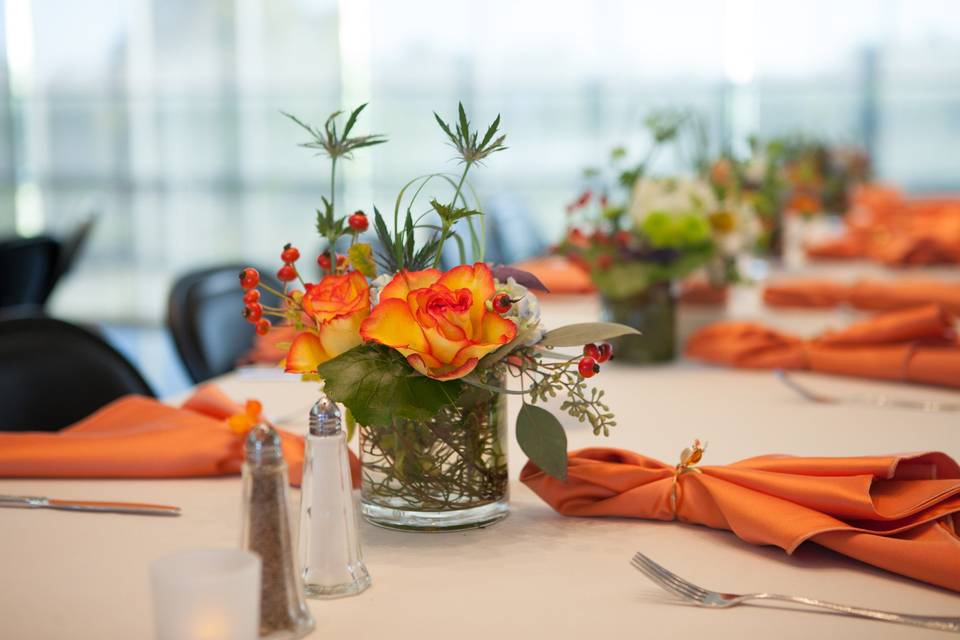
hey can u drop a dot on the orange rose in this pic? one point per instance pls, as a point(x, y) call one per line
point(337, 305)
point(439, 321)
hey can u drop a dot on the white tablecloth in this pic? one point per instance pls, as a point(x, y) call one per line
point(534, 575)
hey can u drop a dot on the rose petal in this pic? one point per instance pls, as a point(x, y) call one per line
point(406, 281)
point(306, 352)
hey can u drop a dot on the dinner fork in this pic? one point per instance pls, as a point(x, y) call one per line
point(698, 595)
point(874, 400)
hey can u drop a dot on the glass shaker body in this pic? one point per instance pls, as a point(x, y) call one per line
point(330, 553)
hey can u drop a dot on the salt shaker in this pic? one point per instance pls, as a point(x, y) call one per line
point(266, 531)
point(329, 547)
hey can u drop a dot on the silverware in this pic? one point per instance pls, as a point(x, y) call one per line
point(704, 598)
point(875, 400)
point(40, 502)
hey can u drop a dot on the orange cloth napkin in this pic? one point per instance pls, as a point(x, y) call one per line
point(138, 437)
point(267, 349)
point(872, 295)
point(558, 274)
point(914, 345)
point(887, 227)
point(699, 292)
point(896, 512)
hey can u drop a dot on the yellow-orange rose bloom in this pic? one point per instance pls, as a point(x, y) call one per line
point(439, 321)
point(337, 305)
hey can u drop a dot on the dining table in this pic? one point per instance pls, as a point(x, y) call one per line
point(536, 574)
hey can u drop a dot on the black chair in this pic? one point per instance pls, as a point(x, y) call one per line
point(27, 265)
point(204, 317)
point(53, 373)
point(70, 248)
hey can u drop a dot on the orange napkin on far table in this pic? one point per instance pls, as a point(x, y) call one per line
point(871, 295)
point(138, 437)
point(885, 226)
point(896, 512)
point(914, 345)
point(558, 274)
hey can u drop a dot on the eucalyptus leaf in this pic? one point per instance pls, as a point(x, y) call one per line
point(543, 439)
point(577, 334)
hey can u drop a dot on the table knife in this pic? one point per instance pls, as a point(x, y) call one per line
point(40, 502)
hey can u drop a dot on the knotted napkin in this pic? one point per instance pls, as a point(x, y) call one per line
point(138, 437)
point(914, 345)
point(896, 512)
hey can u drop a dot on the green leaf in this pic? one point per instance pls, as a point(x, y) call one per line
point(576, 334)
point(376, 384)
point(543, 440)
point(352, 120)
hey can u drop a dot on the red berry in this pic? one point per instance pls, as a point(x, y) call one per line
point(592, 351)
point(358, 222)
point(501, 303)
point(341, 261)
point(252, 296)
point(286, 273)
point(606, 352)
point(263, 327)
point(588, 367)
point(604, 261)
point(249, 278)
point(290, 254)
point(253, 312)
point(324, 261)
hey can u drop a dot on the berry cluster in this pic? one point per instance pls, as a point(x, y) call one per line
point(290, 255)
point(253, 310)
point(593, 355)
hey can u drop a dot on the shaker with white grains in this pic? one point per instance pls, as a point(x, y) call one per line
point(330, 551)
point(266, 531)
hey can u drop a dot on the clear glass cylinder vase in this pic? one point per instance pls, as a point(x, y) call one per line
point(442, 474)
point(652, 312)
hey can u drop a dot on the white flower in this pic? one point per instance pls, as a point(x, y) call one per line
point(377, 285)
point(756, 168)
point(525, 312)
point(674, 196)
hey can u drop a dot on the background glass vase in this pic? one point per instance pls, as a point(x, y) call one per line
point(445, 473)
point(653, 313)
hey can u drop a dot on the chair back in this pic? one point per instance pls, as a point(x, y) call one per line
point(53, 373)
point(70, 249)
point(27, 265)
point(204, 317)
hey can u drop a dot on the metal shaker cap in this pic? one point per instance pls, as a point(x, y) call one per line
point(263, 445)
point(325, 417)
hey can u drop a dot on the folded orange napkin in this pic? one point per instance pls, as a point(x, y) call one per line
point(558, 274)
point(271, 348)
point(914, 345)
point(896, 512)
point(701, 293)
point(887, 227)
point(872, 295)
point(138, 437)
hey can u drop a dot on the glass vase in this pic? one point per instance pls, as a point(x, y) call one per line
point(442, 474)
point(653, 313)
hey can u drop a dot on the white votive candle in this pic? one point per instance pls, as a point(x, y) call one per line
point(207, 594)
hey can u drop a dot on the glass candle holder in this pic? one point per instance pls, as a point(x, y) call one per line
point(206, 594)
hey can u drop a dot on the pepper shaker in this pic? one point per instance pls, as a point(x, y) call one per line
point(266, 531)
point(330, 551)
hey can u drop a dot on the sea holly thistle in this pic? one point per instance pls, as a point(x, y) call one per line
point(335, 145)
point(400, 247)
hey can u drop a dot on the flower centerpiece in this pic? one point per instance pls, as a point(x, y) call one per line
point(637, 235)
point(424, 358)
point(799, 176)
